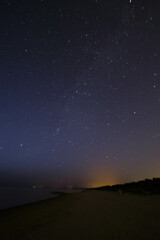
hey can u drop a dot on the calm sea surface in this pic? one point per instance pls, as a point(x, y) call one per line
point(13, 196)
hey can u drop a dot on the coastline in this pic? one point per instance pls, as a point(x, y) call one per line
point(57, 194)
point(84, 215)
point(17, 196)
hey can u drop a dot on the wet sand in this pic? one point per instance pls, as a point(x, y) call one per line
point(86, 215)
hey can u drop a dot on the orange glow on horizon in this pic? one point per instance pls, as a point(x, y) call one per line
point(100, 176)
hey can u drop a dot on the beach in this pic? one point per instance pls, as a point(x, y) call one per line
point(85, 215)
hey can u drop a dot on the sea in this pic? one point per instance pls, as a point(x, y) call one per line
point(17, 196)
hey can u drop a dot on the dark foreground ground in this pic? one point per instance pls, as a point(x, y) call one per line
point(86, 215)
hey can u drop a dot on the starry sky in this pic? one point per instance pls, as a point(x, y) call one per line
point(79, 92)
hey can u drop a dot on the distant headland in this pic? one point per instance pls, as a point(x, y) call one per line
point(146, 186)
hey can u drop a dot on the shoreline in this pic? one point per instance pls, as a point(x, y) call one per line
point(14, 197)
point(35, 202)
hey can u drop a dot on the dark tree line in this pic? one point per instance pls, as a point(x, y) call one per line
point(147, 186)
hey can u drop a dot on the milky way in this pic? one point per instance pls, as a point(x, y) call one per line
point(79, 92)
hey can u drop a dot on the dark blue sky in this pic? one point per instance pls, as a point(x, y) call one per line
point(79, 92)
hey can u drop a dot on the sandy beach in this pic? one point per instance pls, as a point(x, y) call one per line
point(86, 215)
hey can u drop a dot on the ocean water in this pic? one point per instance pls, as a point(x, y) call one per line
point(16, 196)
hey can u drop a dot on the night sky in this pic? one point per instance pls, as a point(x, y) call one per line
point(79, 92)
